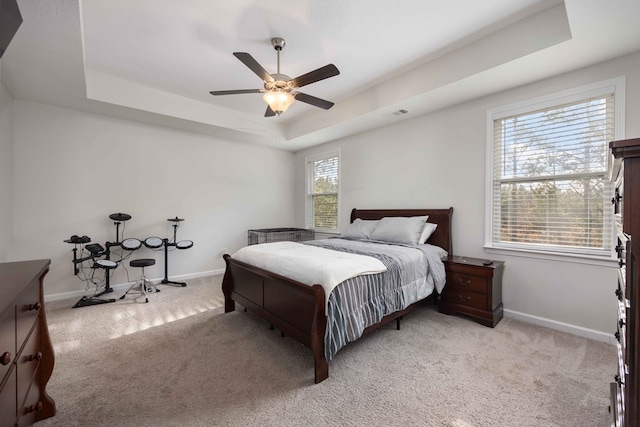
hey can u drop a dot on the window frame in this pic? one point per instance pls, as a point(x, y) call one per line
point(309, 216)
point(615, 86)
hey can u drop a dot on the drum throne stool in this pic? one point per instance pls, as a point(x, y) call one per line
point(143, 283)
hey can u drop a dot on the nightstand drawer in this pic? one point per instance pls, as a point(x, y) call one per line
point(466, 282)
point(469, 299)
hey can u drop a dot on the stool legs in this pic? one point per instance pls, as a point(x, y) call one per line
point(145, 285)
point(149, 286)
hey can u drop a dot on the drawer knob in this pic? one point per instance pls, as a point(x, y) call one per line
point(464, 282)
point(617, 197)
point(619, 293)
point(35, 306)
point(621, 322)
point(618, 379)
point(617, 335)
point(33, 408)
point(32, 357)
point(5, 359)
point(463, 298)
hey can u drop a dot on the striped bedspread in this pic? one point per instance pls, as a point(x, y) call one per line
point(412, 274)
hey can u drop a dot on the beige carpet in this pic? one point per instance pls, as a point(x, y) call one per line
point(180, 361)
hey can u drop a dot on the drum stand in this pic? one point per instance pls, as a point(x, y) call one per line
point(166, 245)
point(94, 299)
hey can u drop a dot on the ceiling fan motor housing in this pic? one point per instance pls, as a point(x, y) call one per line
point(277, 43)
point(280, 81)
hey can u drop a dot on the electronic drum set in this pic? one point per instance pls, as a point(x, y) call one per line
point(101, 257)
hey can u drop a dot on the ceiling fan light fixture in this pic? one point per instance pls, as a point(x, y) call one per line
point(278, 100)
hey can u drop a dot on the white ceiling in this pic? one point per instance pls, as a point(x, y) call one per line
point(157, 60)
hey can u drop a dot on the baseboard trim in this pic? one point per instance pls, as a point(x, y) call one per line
point(563, 327)
point(124, 286)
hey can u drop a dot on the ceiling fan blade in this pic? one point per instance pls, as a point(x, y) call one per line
point(253, 65)
point(234, 92)
point(269, 112)
point(315, 75)
point(312, 100)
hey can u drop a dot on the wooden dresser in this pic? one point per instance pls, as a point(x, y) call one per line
point(625, 173)
point(473, 289)
point(26, 352)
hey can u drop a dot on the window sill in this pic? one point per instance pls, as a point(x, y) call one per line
point(555, 256)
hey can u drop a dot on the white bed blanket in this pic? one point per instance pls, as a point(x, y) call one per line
point(309, 264)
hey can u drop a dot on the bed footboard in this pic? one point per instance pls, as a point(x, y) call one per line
point(293, 307)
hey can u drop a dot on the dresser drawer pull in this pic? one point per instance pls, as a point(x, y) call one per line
point(465, 282)
point(621, 322)
point(35, 306)
point(33, 408)
point(618, 379)
point(32, 357)
point(5, 359)
point(621, 262)
point(617, 197)
point(463, 298)
point(619, 294)
point(617, 335)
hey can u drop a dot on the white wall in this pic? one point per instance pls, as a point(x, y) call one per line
point(6, 172)
point(72, 169)
point(438, 160)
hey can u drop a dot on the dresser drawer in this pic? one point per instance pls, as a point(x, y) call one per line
point(7, 341)
point(621, 340)
point(27, 363)
point(615, 406)
point(8, 400)
point(31, 407)
point(469, 299)
point(467, 282)
point(27, 309)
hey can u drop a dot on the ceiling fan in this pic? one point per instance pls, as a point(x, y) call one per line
point(280, 90)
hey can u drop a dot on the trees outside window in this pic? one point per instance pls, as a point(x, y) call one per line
point(549, 190)
point(323, 192)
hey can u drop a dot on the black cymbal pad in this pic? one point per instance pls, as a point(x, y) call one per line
point(120, 217)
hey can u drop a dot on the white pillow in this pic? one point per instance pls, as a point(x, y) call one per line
point(360, 229)
point(399, 229)
point(427, 231)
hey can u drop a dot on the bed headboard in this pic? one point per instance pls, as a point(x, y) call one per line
point(441, 237)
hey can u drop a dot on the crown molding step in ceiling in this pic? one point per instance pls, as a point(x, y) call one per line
point(156, 60)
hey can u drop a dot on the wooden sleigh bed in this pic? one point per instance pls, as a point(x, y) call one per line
point(298, 309)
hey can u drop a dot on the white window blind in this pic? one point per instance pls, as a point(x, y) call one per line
point(322, 193)
point(550, 191)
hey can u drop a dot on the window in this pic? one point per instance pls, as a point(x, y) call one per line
point(323, 187)
point(548, 189)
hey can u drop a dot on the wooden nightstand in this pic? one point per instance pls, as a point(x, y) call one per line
point(473, 289)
